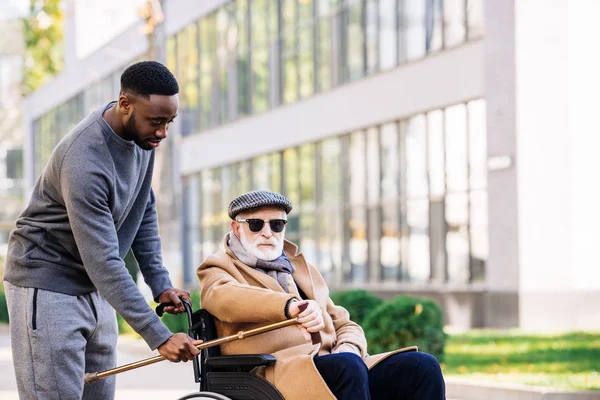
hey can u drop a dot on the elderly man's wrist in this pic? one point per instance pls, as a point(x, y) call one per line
point(286, 309)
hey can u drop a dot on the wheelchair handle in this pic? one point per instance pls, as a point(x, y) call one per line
point(160, 309)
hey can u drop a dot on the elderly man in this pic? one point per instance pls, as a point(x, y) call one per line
point(261, 278)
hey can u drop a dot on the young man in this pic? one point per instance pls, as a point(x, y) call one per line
point(260, 278)
point(65, 267)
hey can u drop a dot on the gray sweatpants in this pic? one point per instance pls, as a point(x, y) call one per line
point(56, 338)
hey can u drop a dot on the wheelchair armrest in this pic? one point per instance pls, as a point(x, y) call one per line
point(241, 360)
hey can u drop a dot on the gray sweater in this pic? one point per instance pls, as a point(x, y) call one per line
point(92, 203)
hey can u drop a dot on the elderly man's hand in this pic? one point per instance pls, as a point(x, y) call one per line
point(311, 319)
point(174, 296)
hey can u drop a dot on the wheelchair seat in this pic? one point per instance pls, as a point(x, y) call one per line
point(226, 377)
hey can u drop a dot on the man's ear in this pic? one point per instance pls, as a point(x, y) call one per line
point(235, 227)
point(125, 104)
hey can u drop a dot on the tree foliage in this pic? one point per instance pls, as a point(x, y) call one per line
point(43, 34)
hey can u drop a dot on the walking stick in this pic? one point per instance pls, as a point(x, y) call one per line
point(94, 376)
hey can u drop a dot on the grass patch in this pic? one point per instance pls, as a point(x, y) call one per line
point(567, 361)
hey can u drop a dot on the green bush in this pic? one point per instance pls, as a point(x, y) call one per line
point(406, 321)
point(3, 308)
point(359, 303)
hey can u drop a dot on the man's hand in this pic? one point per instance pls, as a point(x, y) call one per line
point(347, 348)
point(311, 319)
point(174, 296)
point(179, 347)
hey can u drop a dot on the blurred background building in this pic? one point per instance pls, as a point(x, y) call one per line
point(12, 50)
point(424, 144)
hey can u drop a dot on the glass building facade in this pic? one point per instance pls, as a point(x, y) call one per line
point(248, 56)
point(405, 201)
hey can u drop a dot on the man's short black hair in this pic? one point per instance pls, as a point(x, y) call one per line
point(148, 77)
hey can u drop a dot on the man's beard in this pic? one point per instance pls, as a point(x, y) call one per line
point(131, 133)
point(269, 254)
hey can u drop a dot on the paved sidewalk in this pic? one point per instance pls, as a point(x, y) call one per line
point(161, 381)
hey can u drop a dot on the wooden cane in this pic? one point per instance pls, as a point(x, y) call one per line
point(94, 376)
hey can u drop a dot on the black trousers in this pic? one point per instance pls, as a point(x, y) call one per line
point(411, 375)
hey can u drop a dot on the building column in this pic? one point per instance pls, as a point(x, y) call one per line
point(542, 221)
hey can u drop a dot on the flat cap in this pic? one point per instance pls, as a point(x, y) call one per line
point(258, 199)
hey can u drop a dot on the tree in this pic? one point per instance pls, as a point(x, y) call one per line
point(43, 34)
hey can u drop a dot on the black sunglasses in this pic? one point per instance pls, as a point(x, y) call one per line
point(256, 225)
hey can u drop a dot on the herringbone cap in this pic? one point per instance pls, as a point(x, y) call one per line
point(258, 199)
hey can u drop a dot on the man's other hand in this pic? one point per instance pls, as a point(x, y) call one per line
point(311, 319)
point(174, 296)
point(179, 347)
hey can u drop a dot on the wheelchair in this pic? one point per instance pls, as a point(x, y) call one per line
point(224, 377)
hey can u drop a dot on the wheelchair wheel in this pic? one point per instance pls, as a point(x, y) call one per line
point(205, 396)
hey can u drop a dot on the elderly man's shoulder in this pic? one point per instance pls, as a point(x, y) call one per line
point(219, 259)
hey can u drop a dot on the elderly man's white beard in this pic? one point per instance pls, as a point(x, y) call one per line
point(267, 254)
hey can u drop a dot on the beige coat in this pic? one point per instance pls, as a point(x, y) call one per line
point(242, 298)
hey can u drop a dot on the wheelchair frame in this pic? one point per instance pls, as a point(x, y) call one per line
point(224, 377)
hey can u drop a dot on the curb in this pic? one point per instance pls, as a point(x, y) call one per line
point(476, 390)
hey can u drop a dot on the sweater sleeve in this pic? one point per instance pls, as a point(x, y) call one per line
point(84, 184)
point(147, 250)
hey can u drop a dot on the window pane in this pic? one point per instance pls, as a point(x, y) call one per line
point(305, 47)
point(418, 241)
point(456, 148)
point(208, 69)
point(479, 234)
point(477, 144)
point(260, 77)
point(330, 215)
point(475, 18)
point(437, 241)
point(373, 167)
point(433, 25)
point(357, 221)
point(435, 136)
point(457, 238)
point(243, 67)
point(261, 171)
point(187, 75)
point(454, 22)
point(390, 244)
point(415, 152)
point(331, 174)
point(289, 52)
point(324, 45)
point(260, 55)
point(387, 34)
point(292, 191)
point(411, 29)
point(371, 35)
point(390, 161)
point(292, 175)
point(358, 168)
point(210, 209)
point(355, 40)
point(225, 52)
point(275, 167)
point(307, 177)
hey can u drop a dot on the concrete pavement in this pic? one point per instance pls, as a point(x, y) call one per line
point(161, 381)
